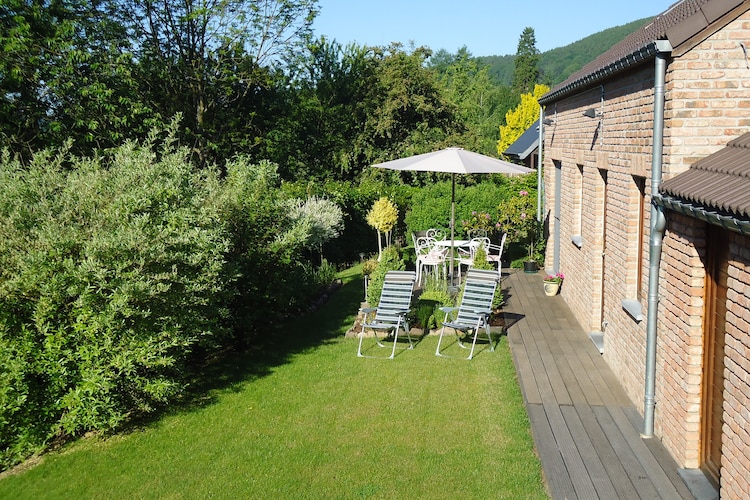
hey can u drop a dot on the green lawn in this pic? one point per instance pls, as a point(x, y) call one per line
point(305, 418)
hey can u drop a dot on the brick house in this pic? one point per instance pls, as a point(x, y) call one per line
point(647, 205)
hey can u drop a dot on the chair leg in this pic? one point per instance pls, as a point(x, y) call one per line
point(437, 351)
point(473, 343)
point(395, 341)
point(361, 337)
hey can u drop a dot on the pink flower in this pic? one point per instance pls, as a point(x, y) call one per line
point(523, 192)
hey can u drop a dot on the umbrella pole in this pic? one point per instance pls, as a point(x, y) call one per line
point(453, 223)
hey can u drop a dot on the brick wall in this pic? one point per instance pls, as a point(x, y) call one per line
point(680, 338)
point(707, 105)
point(735, 474)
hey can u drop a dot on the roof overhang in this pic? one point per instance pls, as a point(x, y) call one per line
point(727, 221)
point(635, 58)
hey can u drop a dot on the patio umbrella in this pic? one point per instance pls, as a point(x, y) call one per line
point(454, 161)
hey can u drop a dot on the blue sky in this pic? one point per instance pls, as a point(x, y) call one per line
point(485, 27)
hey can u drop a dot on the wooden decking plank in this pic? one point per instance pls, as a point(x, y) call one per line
point(656, 474)
point(536, 361)
point(555, 473)
point(609, 459)
point(553, 373)
point(608, 390)
point(633, 468)
point(667, 463)
point(593, 448)
point(525, 373)
point(573, 379)
point(577, 471)
point(589, 455)
point(544, 339)
point(582, 375)
point(553, 360)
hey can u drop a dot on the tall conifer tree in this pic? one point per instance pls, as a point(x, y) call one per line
point(526, 64)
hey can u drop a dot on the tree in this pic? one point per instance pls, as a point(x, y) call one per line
point(66, 71)
point(477, 98)
point(407, 111)
point(519, 119)
point(203, 58)
point(526, 64)
point(383, 217)
point(327, 103)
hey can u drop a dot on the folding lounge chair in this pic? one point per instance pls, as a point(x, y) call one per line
point(390, 315)
point(474, 310)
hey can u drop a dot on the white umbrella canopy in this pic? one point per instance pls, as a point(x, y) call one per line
point(454, 161)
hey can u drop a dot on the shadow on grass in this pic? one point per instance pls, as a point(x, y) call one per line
point(232, 368)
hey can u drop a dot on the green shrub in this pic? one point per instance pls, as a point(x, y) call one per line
point(118, 273)
point(434, 296)
point(109, 277)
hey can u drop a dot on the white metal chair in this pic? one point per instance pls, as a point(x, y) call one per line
point(429, 255)
point(495, 255)
point(390, 314)
point(474, 310)
point(466, 255)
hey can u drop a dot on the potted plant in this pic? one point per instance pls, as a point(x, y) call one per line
point(552, 284)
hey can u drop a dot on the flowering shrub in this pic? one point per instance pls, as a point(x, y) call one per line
point(517, 219)
point(554, 278)
point(479, 221)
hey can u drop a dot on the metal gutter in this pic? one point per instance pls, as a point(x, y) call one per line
point(704, 214)
point(658, 225)
point(634, 58)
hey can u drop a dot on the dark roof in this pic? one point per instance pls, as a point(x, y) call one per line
point(720, 181)
point(681, 21)
point(526, 144)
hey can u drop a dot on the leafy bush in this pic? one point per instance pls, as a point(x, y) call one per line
point(435, 295)
point(109, 277)
point(118, 273)
point(430, 206)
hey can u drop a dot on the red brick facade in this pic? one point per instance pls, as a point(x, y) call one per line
point(604, 214)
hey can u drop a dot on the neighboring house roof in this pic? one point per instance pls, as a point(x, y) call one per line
point(677, 24)
point(526, 144)
point(720, 181)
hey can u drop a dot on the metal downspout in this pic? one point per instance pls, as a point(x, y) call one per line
point(540, 160)
point(658, 224)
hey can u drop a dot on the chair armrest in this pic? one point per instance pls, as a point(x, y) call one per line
point(447, 309)
point(368, 310)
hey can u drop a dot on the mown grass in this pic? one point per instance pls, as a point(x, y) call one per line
point(303, 417)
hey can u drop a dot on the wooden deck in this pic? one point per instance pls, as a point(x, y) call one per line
point(586, 430)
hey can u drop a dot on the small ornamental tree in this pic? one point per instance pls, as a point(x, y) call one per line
point(520, 118)
point(383, 217)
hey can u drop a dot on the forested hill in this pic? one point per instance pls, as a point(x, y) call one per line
point(557, 64)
